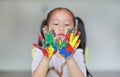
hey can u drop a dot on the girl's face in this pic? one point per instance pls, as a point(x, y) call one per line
point(60, 21)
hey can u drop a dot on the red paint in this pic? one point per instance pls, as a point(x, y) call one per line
point(79, 33)
point(40, 36)
point(42, 49)
point(69, 49)
point(67, 37)
point(54, 33)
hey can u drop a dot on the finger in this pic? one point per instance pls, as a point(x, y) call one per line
point(59, 42)
point(67, 36)
point(75, 31)
point(51, 36)
point(71, 36)
point(63, 44)
point(76, 39)
point(42, 49)
point(71, 40)
point(46, 39)
point(41, 38)
point(44, 52)
point(45, 30)
point(36, 45)
point(54, 35)
point(55, 46)
point(70, 30)
point(77, 44)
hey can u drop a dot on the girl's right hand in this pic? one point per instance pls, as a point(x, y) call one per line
point(49, 47)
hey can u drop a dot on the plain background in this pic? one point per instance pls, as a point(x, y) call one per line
point(20, 22)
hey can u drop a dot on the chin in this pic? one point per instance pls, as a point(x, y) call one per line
point(62, 38)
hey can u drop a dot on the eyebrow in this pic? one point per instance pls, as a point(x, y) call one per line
point(64, 20)
point(55, 20)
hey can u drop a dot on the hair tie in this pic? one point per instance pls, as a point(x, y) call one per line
point(75, 21)
point(74, 17)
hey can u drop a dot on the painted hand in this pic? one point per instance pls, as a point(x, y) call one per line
point(71, 42)
point(49, 47)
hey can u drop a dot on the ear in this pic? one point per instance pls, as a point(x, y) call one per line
point(45, 29)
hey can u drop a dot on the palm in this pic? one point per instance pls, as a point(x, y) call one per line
point(71, 42)
point(47, 48)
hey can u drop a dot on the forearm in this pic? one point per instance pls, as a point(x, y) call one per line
point(74, 70)
point(42, 68)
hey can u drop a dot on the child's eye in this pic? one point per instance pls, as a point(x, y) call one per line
point(55, 24)
point(66, 24)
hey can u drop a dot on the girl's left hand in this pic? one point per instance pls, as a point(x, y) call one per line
point(71, 42)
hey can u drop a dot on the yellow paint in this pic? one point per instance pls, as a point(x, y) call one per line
point(50, 50)
point(77, 44)
point(86, 56)
point(33, 52)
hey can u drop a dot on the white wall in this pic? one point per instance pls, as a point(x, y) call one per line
point(20, 20)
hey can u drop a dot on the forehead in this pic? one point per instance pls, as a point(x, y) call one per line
point(61, 12)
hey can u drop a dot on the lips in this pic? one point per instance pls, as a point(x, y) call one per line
point(60, 34)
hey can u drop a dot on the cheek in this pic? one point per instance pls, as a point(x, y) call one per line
point(69, 27)
point(55, 31)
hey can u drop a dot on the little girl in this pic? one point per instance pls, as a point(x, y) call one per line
point(58, 64)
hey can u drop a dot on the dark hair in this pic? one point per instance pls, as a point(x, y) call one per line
point(80, 26)
point(82, 45)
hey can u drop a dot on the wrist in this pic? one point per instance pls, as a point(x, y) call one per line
point(46, 58)
point(69, 59)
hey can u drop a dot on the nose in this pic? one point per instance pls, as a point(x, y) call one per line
point(61, 28)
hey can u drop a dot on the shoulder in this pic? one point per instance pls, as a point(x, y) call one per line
point(36, 58)
point(79, 58)
point(36, 52)
point(78, 55)
point(78, 51)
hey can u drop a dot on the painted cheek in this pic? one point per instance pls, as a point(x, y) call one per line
point(67, 30)
point(54, 33)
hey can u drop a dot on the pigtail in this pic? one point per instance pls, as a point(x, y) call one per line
point(82, 45)
point(81, 28)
